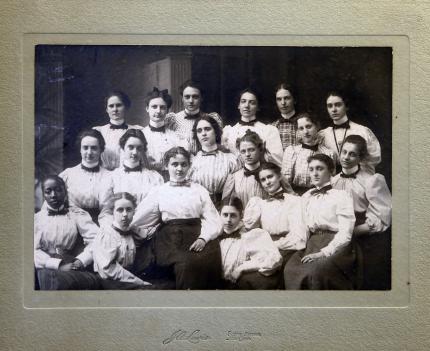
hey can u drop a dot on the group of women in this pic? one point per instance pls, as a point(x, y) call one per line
point(189, 201)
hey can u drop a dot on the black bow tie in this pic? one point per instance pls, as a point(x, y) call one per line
point(352, 175)
point(61, 212)
point(276, 196)
point(233, 235)
point(323, 190)
point(123, 232)
point(92, 169)
point(121, 126)
point(310, 147)
point(247, 172)
point(161, 129)
point(343, 125)
point(190, 116)
point(135, 169)
point(250, 123)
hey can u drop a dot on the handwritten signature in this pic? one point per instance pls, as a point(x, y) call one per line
point(197, 335)
point(182, 335)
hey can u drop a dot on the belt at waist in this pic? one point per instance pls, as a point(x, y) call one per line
point(182, 221)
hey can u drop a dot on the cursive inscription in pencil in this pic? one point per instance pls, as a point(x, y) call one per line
point(193, 337)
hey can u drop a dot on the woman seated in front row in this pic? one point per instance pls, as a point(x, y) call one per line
point(59, 261)
point(372, 206)
point(279, 213)
point(114, 248)
point(185, 240)
point(328, 261)
point(249, 258)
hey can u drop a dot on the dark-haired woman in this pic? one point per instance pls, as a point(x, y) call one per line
point(295, 166)
point(372, 206)
point(334, 136)
point(59, 260)
point(117, 104)
point(249, 258)
point(114, 248)
point(88, 183)
point(212, 164)
point(328, 261)
point(159, 138)
point(243, 183)
point(189, 224)
point(279, 213)
point(248, 107)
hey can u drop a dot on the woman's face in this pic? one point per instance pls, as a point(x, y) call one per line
point(54, 193)
point(249, 153)
point(133, 151)
point(205, 133)
point(336, 107)
point(230, 217)
point(178, 167)
point(270, 180)
point(191, 99)
point(90, 149)
point(115, 108)
point(307, 131)
point(248, 105)
point(319, 173)
point(123, 213)
point(284, 101)
point(349, 156)
point(157, 109)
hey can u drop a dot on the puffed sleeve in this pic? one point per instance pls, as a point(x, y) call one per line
point(211, 220)
point(235, 163)
point(106, 190)
point(105, 260)
point(170, 120)
point(41, 258)
point(252, 214)
point(274, 150)
point(346, 221)
point(378, 214)
point(147, 212)
point(88, 230)
point(228, 190)
point(226, 136)
point(288, 161)
point(374, 152)
point(105, 218)
point(263, 254)
point(298, 234)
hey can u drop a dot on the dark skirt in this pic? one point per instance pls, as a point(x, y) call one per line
point(336, 272)
point(192, 270)
point(257, 281)
point(51, 279)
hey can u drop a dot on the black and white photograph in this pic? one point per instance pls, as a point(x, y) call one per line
point(161, 167)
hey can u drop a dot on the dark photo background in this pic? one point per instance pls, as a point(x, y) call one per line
point(71, 82)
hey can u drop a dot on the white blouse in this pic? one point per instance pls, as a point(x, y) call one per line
point(268, 133)
point(54, 234)
point(279, 217)
point(241, 186)
point(374, 149)
point(137, 184)
point(212, 170)
point(86, 189)
point(253, 251)
point(371, 195)
point(158, 144)
point(169, 202)
point(111, 156)
point(333, 211)
point(113, 253)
